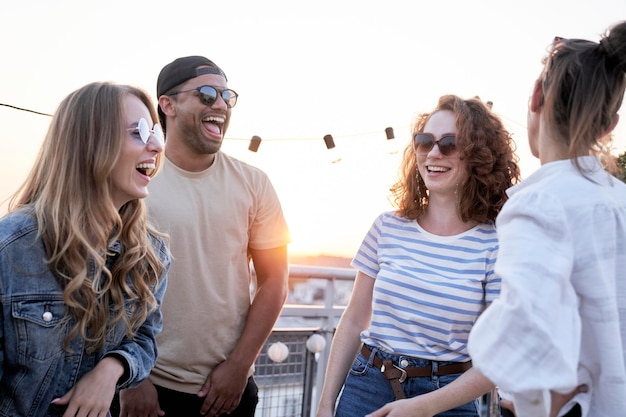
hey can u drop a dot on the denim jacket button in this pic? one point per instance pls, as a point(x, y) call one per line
point(47, 316)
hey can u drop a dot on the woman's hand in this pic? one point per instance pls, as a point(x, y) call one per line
point(413, 407)
point(557, 402)
point(93, 393)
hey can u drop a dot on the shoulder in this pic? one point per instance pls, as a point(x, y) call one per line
point(16, 225)
point(389, 221)
point(488, 228)
point(160, 246)
point(231, 163)
point(241, 176)
point(392, 216)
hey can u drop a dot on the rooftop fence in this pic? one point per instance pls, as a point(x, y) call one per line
point(290, 369)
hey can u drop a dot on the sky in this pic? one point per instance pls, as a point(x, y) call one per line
point(349, 68)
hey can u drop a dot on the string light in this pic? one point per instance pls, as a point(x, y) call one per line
point(255, 142)
point(315, 343)
point(278, 352)
point(392, 144)
point(330, 145)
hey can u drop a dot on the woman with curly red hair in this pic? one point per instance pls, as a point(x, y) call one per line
point(425, 271)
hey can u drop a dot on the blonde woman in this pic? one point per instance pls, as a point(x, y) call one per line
point(82, 273)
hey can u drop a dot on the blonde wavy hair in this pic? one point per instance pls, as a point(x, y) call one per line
point(69, 192)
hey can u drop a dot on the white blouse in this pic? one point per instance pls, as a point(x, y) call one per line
point(560, 320)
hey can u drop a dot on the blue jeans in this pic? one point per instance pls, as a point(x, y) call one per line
point(366, 389)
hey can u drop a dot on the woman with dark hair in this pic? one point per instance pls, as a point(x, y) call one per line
point(425, 271)
point(82, 273)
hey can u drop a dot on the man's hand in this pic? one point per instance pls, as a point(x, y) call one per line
point(142, 401)
point(223, 389)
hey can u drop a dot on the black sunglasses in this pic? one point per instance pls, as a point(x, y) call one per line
point(208, 95)
point(424, 142)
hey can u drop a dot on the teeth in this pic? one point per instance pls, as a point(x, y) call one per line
point(437, 169)
point(214, 119)
point(146, 166)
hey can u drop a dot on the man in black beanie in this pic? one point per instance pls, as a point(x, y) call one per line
point(219, 213)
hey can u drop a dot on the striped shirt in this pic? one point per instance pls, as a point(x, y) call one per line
point(429, 289)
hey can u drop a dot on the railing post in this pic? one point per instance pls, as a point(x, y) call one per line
point(326, 318)
point(308, 392)
point(327, 329)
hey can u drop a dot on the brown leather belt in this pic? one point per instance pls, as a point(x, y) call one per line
point(396, 375)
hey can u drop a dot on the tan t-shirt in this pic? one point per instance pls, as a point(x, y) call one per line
point(212, 217)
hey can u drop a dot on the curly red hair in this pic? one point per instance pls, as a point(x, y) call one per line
point(487, 149)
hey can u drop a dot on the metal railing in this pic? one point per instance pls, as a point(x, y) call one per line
point(285, 386)
point(291, 388)
point(302, 316)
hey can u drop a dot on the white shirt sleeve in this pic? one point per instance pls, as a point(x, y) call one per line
point(527, 341)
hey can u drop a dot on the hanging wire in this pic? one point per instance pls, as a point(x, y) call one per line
point(22, 109)
point(256, 140)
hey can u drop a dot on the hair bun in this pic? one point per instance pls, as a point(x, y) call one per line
point(605, 44)
point(613, 44)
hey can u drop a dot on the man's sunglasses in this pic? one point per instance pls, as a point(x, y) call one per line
point(208, 95)
point(424, 142)
point(143, 131)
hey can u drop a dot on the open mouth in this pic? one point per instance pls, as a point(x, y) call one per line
point(432, 168)
point(146, 168)
point(214, 124)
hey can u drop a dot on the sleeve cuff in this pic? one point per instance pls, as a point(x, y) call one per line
point(126, 375)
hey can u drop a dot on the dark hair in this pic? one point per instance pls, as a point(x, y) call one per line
point(583, 87)
point(484, 145)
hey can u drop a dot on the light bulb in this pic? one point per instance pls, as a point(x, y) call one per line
point(332, 149)
point(316, 343)
point(278, 351)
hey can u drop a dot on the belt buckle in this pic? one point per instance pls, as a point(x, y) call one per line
point(403, 374)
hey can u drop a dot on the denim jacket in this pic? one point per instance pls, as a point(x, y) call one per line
point(34, 367)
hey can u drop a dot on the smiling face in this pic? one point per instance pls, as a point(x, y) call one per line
point(200, 128)
point(137, 159)
point(441, 173)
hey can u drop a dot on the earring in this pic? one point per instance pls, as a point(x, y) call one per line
point(420, 194)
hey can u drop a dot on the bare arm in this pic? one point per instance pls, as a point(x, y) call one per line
point(346, 342)
point(469, 386)
point(226, 383)
point(272, 275)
